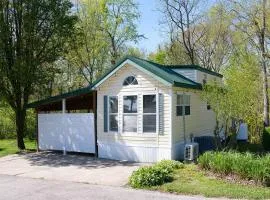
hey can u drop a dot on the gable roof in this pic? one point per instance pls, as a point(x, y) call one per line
point(159, 71)
point(163, 72)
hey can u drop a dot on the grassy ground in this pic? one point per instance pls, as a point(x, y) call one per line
point(9, 146)
point(191, 180)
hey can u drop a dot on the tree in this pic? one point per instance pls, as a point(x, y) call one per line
point(63, 78)
point(251, 17)
point(119, 24)
point(159, 56)
point(134, 51)
point(240, 96)
point(215, 47)
point(89, 47)
point(32, 34)
point(183, 20)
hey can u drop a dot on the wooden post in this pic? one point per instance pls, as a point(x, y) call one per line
point(37, 142)
point(95, 120)
point(63, 112)
point(63, 106)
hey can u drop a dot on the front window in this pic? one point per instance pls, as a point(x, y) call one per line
point(149, 113)
point(183, 105)
point(130, 113)
point(113, 113)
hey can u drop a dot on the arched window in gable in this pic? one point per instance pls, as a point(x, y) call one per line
point(130, 80)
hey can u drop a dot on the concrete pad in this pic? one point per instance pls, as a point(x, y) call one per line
point(73, 168)
point(15, 187)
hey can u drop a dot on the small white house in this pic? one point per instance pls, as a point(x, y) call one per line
point(141, 111)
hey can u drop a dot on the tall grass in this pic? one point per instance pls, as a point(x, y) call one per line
point(245, 165)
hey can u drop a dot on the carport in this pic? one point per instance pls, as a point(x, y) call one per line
point(67, 122)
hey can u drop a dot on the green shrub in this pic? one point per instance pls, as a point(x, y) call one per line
point(170, 165)
point(245, 165)
point(266, 139)
point(149, 176)
point(157, 174)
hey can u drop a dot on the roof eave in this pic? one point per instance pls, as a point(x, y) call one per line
point(56, 98)
point(183, 85)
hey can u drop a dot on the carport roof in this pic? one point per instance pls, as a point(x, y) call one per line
point(163, 72)
point(78, 92)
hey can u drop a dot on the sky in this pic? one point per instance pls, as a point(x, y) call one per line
point(148, 25)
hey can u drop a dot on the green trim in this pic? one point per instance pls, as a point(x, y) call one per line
point(198, 86)
point(194, 67)
point(52, 99)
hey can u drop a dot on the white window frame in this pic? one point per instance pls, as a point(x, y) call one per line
point(147, 94)
point(109, 114)
point(183, 105)
point(134, 114)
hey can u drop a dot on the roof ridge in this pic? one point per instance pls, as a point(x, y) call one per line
point(165, 68)
point(196, 66)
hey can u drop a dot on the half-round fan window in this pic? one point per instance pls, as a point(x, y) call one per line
point(131, 80)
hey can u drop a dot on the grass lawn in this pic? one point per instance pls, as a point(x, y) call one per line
point(191, 180)
point(9, 146)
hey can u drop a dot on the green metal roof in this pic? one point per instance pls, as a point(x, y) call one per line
point(56, 98)
point(158, 70)
point(164, 72)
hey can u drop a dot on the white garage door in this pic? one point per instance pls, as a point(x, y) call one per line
point(71, 132)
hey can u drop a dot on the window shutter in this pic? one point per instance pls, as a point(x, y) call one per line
point(105, 117)
point(161, 113)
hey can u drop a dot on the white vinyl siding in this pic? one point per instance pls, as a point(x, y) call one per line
point(209, 77)
point(197, 75)
point(200, 122)
point(147, 85)
point(189, 73)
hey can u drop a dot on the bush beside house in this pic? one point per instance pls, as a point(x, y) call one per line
point(245, 165)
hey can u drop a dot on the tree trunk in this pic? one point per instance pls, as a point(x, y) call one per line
point(265, 81)
point(20, 127)
point(265, 96)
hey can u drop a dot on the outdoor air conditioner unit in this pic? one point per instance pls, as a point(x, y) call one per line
point(191, 151)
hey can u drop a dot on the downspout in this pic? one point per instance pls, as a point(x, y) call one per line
point(157, 116)
point(184, 121)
